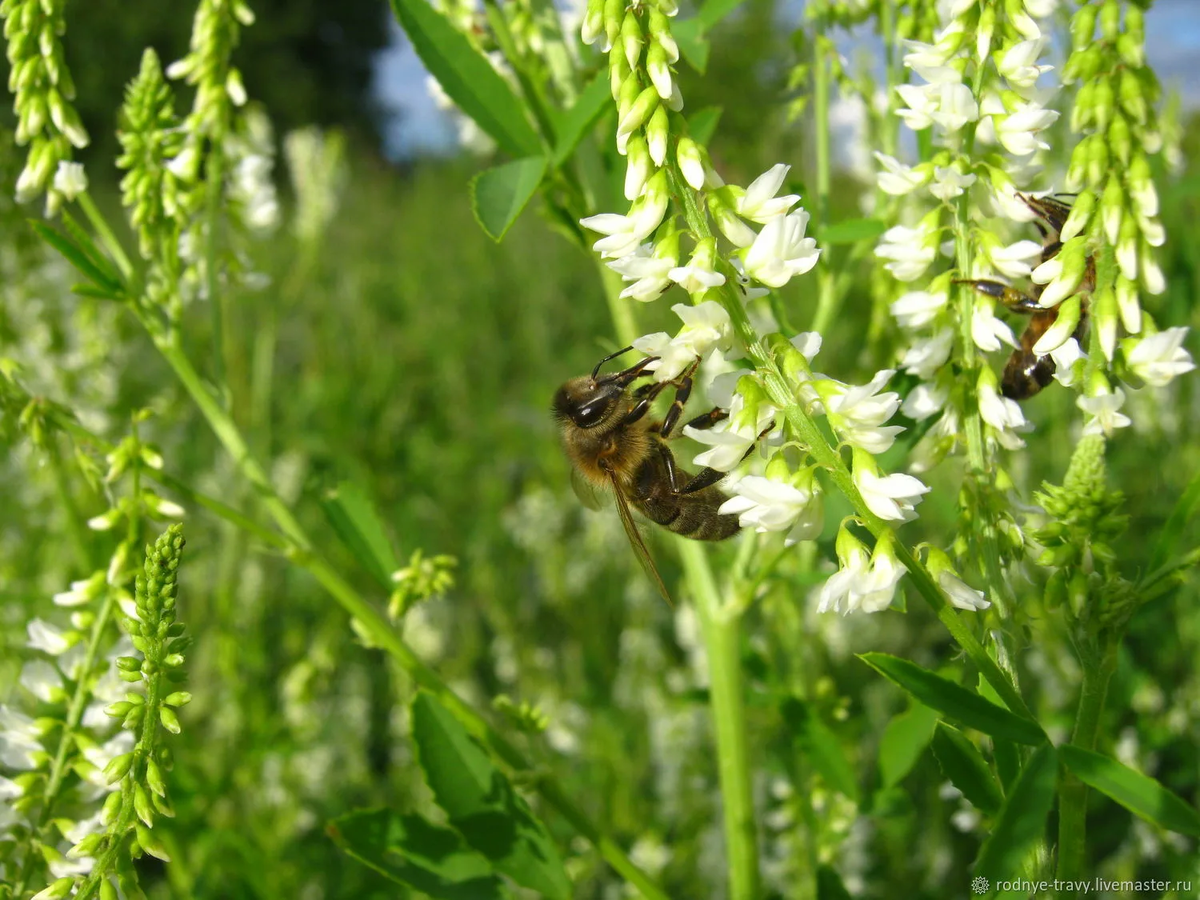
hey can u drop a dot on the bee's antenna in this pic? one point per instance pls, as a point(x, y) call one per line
point(596, 371)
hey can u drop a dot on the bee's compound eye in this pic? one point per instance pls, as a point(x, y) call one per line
point(591, 414)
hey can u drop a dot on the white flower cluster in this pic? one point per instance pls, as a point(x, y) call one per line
point(1009, 110)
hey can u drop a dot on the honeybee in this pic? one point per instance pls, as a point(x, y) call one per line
point(1026, 373)
point(614, 445)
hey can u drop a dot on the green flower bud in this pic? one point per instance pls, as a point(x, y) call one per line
point(1110, 20)
point(169, 720)
point(1132, 99)
point(1104, 103)
point(56, 891)
point(1120, 139)
point(657, 134)
point(112, 806)
point(638, 112)
point(631, 39)
point(141, 804)
point(1056, 589)
point(1104, 319)
point(118, 767)
point(151, 844)
point(154, 778)
point(107, 891)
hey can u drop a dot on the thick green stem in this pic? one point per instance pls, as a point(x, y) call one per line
point(1073, 793)
point(721, 626)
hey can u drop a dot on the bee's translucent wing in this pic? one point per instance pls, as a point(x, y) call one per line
point(587, 493)
point(635, 538)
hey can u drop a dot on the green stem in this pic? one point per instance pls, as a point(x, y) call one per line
point(827, 297)
point(107, 238)
point(721, 626)
point(217, 300)
point(373, 623)
point(1073, 793)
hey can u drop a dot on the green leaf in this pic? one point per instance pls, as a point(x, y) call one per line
point(1022, 820)
point(353, 517)
point(1140, 794)
point(481, 802)
point(703, 124)
point(955, 701)
point(467, 77)
point(75, 255)
point(84, 242)
point(689, 37)
point(966, 768)
point(499, 194)
point(411, 850)
point(1172, 532)
point(84, 289)
point(575, 123)
point(851, 231)
point(904, 740)
point(714, 11)
point(829, 885)
point(820, 745)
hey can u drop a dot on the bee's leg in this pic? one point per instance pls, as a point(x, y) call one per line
point(682, 392)
point(707, 476)
point(645, 396)
point(708, 419)
point(1009, 296)
point(631, 374)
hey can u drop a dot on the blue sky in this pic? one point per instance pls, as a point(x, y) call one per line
point(1172, 46)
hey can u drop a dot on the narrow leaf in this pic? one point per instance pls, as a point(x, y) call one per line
point(409, 850)
point(467, 77)
point(1172, 532)
point(85, 289)
point(1140, 794)
point(482, 804)
point(821, 746)
point(904, 740)
point(703, 124)
point(353, 517)
point(955, 701)
point(87, 245)
point(73, 254)
point(851, 231)
point(966, 768)
point(576, 122)
point(499, 194)
point(1022, 820)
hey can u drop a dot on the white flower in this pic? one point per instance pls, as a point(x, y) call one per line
point(1065, 357)
point(987, 331)
point(625, 233)
point(910, 249)
point(41, 679)
point(922, 103)
point(1014, 261)
point(960, 593)
point(765, 504)
point(81, 592)
point(928, 355)
point(925, 400)
point(898, 179)
point(46, 637)
point(864, 588)
point(759, 203)
point(1157, 358)
point(1019, 64)
point(1001, 413)
point(1105, 409)
point(858, 412)
point(891, 497)
point(20, 747)
point(698, 275)
point(650, 274)
point(729, 443)
point(1018, 131)
point(917, 309)
point(70, 180)
point(956, 106)
point(781, 251)
point(949, 183)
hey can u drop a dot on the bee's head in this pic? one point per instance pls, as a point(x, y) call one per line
point(586, 402)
